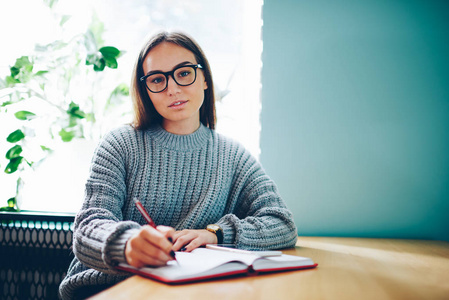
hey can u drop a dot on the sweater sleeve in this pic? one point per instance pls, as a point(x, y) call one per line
point(100, 234)
point(260, 219)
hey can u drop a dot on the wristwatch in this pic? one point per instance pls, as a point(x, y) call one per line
point(214, 228)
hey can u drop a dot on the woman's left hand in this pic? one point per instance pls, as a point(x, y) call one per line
point(189, 239)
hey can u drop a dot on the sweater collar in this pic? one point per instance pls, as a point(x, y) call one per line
point(172, 141)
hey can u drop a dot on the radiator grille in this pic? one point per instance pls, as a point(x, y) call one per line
point(35, 254)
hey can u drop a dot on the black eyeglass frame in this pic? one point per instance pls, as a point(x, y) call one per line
point(143, 79)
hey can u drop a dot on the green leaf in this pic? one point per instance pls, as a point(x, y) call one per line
point(74, 111)
point(111, 63)
point(92, 59)
point(66, 136)
point(10, 80)
point(110, 55)
point(121, 89)
point(99, 65)
point(96, 60)
point(15, 136)
point(116, 95)
point(9, 208)
point(46, 148)
point(23, 63)
point(106, 57)
point(13, 165)
point(11, 202)
point(6, 103)
point(25, 115)
point(14, 71)
point(14, 152)
point(41, 73)
point(109, 52)
point(21, 71)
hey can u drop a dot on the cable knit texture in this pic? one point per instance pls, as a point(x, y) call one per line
point(184, 181)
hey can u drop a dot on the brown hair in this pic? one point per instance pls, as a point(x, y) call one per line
point(145, 114)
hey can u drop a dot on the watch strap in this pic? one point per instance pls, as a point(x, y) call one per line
point(217, 230)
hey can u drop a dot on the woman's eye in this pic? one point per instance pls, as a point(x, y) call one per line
point(157, 80)
point(184, 74)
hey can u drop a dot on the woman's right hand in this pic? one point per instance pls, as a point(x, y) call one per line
point(150, 247)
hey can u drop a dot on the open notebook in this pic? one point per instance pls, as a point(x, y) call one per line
point(202, 264)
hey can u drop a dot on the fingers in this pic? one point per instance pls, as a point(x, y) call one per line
point(182, 239)
point(167, 232)
point(188, 240)
point(158, 238)
point(149, 247)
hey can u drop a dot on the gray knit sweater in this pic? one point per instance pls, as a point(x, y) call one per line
point(183, 181)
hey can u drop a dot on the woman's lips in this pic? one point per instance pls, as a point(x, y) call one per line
point(178, 104)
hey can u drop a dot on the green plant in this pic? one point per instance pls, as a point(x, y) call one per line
point(49, 95)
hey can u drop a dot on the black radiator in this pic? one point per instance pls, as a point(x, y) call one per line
point(35, 252)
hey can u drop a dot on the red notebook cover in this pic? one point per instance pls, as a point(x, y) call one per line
point(205, 264)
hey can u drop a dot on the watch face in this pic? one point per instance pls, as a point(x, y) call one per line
point(213, 227)
point(217, 230)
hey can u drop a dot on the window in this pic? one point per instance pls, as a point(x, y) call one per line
point(228, 31)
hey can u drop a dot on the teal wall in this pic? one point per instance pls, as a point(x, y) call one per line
point(355, 115)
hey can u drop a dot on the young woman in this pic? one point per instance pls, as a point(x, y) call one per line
point(198, 185)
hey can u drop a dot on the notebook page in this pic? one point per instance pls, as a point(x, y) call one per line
point(202, 262)
point(283, 261)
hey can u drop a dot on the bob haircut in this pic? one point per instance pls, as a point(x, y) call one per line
point(145, 115)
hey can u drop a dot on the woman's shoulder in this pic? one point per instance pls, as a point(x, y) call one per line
point(120, 137)
point(226, 140)
point(232, 146)
point(125, 131)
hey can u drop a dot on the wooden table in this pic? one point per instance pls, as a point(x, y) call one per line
point(348, 268)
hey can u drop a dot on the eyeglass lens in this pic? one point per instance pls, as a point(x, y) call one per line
point(183, 76)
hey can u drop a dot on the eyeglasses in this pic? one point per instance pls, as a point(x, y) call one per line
point(157, 82)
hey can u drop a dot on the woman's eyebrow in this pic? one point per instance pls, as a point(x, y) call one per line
point(178, 65)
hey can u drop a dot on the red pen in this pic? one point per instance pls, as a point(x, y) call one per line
point(150, 221)
point(144, 213)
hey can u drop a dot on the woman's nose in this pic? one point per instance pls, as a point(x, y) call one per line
point(172, 86)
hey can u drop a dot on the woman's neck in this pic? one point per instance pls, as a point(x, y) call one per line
point(181, 128)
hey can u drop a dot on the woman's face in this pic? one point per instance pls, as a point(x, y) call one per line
point(178, 105)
